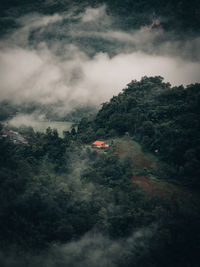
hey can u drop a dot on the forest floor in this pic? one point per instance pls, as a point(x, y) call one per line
point(143, 165)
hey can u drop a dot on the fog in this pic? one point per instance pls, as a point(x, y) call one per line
point(93, 249)
point(82, 59)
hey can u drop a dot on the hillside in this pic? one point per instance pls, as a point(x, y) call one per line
point(163, 119)
point(69, 204)
point(150, 174)
point(175, 15)
point(99, 133)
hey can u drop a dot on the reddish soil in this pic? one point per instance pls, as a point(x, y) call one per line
point(141, 160)
point(143, 182)
point(163, 189)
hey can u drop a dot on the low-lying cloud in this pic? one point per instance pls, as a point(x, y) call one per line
point(93, 249)
point(36, 67)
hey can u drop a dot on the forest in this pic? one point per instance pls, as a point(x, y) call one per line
point(64, 203)
point(121, 72)
point(164, 119)
point(181, 15)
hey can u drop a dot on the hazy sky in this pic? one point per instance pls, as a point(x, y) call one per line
point(82, 59)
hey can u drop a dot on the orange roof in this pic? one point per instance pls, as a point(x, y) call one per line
point(98, 143)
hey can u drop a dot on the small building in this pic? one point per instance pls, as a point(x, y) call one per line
point(99, 144)
point(15, 137)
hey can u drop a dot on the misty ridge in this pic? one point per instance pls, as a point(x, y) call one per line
point(122, 72)
point(81, 58)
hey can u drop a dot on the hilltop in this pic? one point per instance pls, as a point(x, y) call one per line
point(163, 119)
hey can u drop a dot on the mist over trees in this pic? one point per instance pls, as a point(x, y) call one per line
point(75, 54)
point(177, 15)
point(64, 202)
point(60, 197)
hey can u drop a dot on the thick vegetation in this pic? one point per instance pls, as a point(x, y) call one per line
point(53, 191)
point(165, 120)
point(176, 15)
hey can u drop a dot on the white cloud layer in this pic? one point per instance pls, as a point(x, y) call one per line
point(94, 14)
point(29, 75)
point(38, 73)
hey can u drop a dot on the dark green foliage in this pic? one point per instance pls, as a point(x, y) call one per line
point(164, 120)
point(85, 130)
point(176, 15)
point(55, 191)
point(45, 200)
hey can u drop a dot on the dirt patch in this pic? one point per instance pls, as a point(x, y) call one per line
point(131, 149)
point(161, 188)
point(143, 182)
point(141, 160)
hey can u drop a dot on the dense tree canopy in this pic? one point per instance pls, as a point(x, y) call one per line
point(163, 119)
point(56, 190)
point(175, 15)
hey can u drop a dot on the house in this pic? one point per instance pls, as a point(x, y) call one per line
point(15, 137)
point(99, 144)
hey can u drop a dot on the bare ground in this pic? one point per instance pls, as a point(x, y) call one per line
point(152, 186)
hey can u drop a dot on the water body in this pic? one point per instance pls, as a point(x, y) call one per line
point(41, 126)
point(60, 126)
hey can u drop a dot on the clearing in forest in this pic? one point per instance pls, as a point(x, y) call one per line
point(131, 149)
point(127, 148)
